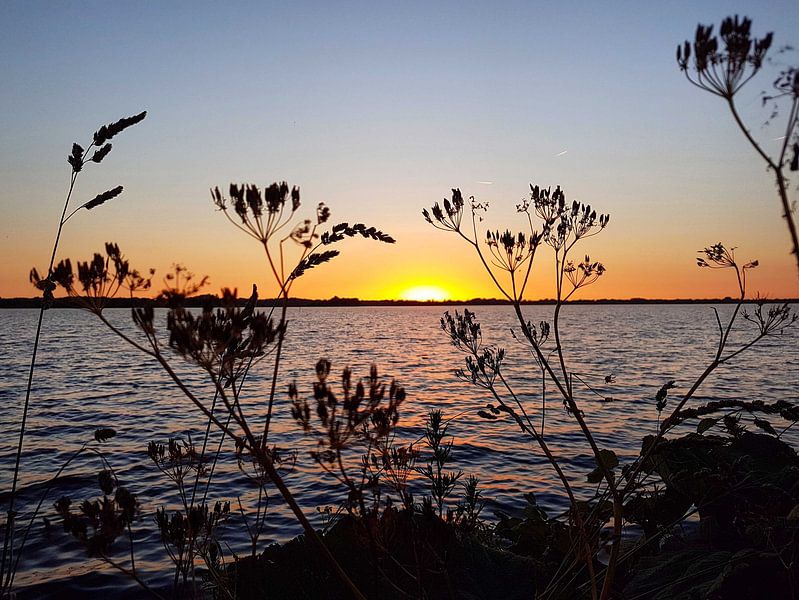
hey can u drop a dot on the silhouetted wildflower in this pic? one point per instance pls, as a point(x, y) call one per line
point(99, 279)
point(180, 284)
point(722, 69)
point(98, 523)
point(770, 319)
point(223, 342)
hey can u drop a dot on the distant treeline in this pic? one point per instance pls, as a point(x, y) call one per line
point(213, 300)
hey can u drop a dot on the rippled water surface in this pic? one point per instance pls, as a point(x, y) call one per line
point(87, 379)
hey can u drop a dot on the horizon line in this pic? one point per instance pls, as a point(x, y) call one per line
point(200, 299)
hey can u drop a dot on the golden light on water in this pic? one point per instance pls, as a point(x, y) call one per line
point(425, 292)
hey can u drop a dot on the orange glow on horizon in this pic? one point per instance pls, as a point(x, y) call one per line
point(423, 293)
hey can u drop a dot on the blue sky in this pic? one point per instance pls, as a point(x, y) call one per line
point(378, 109)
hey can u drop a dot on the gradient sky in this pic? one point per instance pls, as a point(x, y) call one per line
point(378, 109)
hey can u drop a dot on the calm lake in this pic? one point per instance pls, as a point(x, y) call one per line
point(86, 378)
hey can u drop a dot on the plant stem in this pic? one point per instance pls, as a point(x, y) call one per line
point(787, 213)
point(306, 525)
point(9, 532)
point(280, 337)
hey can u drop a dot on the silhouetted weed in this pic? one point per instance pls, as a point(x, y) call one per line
point(226, 343)
point(508, 259)
point(46, 283)
point(722, 65)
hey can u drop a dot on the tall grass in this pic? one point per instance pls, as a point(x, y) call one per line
point(77, 159)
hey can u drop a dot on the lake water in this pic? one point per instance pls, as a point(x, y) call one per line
point(87, 379)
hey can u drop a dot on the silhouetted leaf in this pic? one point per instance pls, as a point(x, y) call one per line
point(313, 260)
point(595, 476)
point(733, 425)
point(765, 426)
point(663, 392)
point(608, 459)
point(249, 308)
point(705, 424)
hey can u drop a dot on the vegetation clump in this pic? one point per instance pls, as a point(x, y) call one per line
point(711, 511)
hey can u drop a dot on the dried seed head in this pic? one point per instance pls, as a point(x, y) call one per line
point(106, 132)
point(103, 198)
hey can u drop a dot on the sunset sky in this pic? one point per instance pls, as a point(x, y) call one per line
point(378, 109)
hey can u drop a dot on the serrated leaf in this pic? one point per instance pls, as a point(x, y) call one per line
point(705, 424)
point(313, 260)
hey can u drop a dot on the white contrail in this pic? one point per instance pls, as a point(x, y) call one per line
point(561, 153)
point(486, 182)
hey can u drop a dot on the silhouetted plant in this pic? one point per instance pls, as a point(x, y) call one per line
point(442, 482)
point(180, 284)
point(77, 159)
point(722, 66)
point(776, 319)
point(262, 214)
point(98, 523)
point(467, 511)
point(508, 261)
point(362, 416)
point(354, 431)
point(99, 279)
point(193, 532)
point(226, 343)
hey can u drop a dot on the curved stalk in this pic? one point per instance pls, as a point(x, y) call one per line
point(787, 212)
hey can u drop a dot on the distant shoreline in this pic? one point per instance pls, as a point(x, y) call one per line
point(200, 301)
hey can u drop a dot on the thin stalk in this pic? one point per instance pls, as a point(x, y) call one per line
point(280, 337)
point(543, 401)
point(9, 532)
point(787, 212)
point(333, 564)
point(132, 574)
point(569, 399)
point(12, 572)
point(263, 457)
point(566, 392)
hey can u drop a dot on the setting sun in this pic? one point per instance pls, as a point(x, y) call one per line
point(425, 292)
